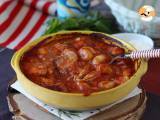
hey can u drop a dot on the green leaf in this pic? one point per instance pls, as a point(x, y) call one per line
point(93, 21)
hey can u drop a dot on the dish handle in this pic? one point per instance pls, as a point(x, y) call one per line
point(13, 60)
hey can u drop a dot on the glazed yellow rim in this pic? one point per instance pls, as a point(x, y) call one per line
point(16, 58)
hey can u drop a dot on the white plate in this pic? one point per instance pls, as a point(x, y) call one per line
point(139, 41)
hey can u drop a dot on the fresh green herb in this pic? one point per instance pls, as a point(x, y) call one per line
point(93, 21)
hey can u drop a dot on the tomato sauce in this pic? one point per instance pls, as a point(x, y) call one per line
point(76, 63)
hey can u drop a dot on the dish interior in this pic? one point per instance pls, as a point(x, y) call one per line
point(77, 63)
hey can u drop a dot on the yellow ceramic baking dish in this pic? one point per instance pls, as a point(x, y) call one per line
point(76, 101)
